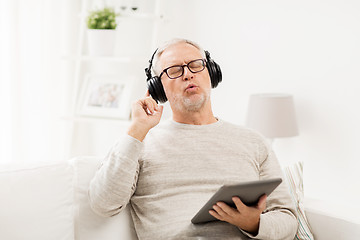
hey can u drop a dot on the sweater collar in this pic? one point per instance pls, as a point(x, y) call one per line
point(192, 126)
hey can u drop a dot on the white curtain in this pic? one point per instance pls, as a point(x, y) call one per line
point(34, 80)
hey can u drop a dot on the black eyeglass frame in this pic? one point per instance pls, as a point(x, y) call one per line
point(183, 66)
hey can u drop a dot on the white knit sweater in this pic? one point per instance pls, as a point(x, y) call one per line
point(170, 175)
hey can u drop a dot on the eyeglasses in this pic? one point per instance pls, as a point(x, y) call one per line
point(176, 71)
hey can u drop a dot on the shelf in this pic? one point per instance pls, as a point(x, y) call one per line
point(122, 122)
point(129, 15)
point(143, 20)
point(140, 16)
point(105, 58)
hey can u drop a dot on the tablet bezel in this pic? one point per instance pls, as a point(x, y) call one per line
point(249, 193)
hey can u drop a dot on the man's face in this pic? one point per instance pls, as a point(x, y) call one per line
point(191, 91)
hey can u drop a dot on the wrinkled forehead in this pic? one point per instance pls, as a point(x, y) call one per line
point(179, 54)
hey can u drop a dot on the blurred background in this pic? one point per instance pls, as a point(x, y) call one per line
point(309, 49)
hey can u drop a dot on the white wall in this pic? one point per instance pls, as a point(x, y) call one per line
point(306, 48)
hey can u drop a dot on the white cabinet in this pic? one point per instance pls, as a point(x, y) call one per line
point(98, 80)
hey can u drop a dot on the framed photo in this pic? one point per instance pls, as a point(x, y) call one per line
point(107, 96)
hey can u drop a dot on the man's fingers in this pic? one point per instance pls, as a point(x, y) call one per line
point(239, 204)
point(219, 211)
point(215, 214)
point(149, 105)
point(261, 205)
point(226, 208)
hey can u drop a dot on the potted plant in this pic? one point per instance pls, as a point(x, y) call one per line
point(102, 31)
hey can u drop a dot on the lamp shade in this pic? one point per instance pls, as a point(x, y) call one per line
point(273, 115)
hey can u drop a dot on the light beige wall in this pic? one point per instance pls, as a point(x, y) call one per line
point(306, 48)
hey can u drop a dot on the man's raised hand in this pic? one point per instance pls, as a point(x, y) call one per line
point(146, 114)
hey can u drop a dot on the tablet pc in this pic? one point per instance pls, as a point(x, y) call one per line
point(248, 192)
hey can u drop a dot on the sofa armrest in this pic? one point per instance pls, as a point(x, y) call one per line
point(330, 221)
point(88, 225)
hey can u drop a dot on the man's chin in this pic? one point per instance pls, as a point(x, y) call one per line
point(190, 103)
point(194, 103)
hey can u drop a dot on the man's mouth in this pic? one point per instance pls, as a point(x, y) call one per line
point(190, 87)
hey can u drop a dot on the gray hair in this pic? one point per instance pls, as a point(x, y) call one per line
point(155, 66)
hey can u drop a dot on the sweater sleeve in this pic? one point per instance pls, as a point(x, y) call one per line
point(278, 221)
point(115, 181)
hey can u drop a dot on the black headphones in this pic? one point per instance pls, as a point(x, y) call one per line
point(156, 88)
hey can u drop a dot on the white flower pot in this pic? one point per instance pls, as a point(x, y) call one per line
point(101, 42)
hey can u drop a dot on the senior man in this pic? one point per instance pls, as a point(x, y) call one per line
point(167, 171)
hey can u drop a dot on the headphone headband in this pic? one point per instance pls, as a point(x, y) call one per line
point(148, 70)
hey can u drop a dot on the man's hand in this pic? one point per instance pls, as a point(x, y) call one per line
point(244, 217)
point(146, 114)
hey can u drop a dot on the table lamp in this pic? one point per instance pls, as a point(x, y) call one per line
point(272, 114)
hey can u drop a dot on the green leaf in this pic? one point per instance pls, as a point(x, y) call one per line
point(102, 19)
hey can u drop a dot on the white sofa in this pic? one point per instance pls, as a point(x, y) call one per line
point(49, 201)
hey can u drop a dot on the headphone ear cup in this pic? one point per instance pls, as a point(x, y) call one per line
point(156, 89)
point(214, 70)
point(217, 77)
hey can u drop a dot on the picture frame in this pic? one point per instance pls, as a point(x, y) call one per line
point(106, 96)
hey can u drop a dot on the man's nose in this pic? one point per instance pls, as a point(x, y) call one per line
point(187, 74)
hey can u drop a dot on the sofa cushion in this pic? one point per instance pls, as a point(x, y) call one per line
point(36, 202)
point(294, 178)
point(88, 225)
